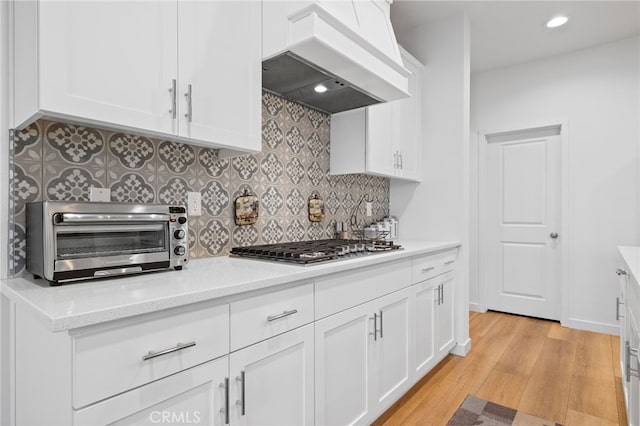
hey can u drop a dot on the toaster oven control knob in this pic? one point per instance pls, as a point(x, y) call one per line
point(182, 220)
point(178, 234)
point(179, 250)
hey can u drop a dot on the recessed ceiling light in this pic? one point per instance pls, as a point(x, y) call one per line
point(320, 88)
point(557, 21)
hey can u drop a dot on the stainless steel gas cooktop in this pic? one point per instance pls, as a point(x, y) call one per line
point(314, 251)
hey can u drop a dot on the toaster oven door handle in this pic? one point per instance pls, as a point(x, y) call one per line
point(109, 227)
point(63, 218)
point(117, 271)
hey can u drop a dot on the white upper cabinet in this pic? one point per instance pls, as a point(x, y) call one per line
point(129, 65)
point(99, 61)
point(220, 56)
point(407, 124)
point(383, 139)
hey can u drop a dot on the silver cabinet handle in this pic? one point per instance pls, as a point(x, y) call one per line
point(173, 111)
point(629, 353)
point(375, 327)
point(178, 347)
point(381, 336)
point(241, 401)
point(618, 303)
point(401, 161)
point(395, 160)
point(553, 235)
point(425, 270)
point(225, 409)
point(282, 315)
point(189, 114)
point(620, 272)
point(441, 294)
point(449, 262)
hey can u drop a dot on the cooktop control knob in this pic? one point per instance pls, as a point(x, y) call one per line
point(178, 234)
point(182, 220)
point(179, 250)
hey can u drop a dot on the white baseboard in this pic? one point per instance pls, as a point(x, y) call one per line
point(597, 327)
point(475, 307)
point(462, 349)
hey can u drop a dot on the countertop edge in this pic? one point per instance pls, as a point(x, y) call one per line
point(631, 257)
point(22, 294)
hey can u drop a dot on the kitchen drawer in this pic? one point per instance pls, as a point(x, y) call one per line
point(192, 396)
point(448, 260)
point(260, 317)
point(432, 265)
point(110, 361)
point(347, 289)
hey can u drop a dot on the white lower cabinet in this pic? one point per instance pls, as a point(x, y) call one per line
point(444, 315)
point(391, 351)
point(432, 322)
point(271, 382)
point(631, 383)
point(343, 352)
point(628, 313)
point(362, 360)
point(195, 396)
point(423, 318)
point(340, 350)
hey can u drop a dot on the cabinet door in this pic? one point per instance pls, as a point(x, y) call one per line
point(444, 315)
point(391, 374)
point(632, 386)
point(272, 381)
point(621, 309)
point(343, 347)
point(220, 54)
point(109, 61)
point(195, 396)
point(407, 123)
point(379, 156)
point(423, 327)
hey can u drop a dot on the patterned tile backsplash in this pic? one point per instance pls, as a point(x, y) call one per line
point(58, 161)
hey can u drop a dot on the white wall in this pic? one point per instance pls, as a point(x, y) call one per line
point(597, 91)
point(438, 208)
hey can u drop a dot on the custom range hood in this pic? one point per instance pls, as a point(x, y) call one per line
point(332, 55)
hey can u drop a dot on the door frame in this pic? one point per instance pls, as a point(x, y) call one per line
point(482, 219)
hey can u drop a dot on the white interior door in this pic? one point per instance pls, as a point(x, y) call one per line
point(523, 219)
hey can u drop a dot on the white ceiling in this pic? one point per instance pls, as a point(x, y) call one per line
point(505, 33)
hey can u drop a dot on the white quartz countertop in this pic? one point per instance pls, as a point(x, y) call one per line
point(91, 302)
point(631, 256)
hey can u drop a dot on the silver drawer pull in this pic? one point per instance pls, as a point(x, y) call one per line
point(241, 402)
point(425, 270)
point(449, 262)
point(282, 315)
point(618, 303)
point(225, 410)
point(178, 347)
point(629, 353)
point(174, 110)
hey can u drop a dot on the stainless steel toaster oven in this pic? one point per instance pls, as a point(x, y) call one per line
point(70, 241)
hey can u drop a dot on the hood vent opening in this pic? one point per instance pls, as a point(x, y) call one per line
point(295, 79)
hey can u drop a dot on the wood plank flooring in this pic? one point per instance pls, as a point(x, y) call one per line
point(568, 376)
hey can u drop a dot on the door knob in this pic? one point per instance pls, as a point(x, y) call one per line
point(553, 235)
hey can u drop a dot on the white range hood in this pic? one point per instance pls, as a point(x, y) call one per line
point(348, 46)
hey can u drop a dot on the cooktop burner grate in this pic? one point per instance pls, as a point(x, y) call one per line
point(309, 252)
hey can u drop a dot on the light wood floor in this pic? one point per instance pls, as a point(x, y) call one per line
point(568, 376)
